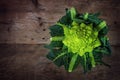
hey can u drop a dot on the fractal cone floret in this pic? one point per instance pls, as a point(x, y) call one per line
point(79, 39)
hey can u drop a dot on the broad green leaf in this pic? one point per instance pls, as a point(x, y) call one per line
point(53, 54)
point(103, 31)
point(56, 30)
point(94, 20)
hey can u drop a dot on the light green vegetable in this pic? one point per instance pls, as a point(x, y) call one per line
point(78, 39)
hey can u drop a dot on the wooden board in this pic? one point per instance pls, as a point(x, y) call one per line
point(29, 62)
point(27, 21)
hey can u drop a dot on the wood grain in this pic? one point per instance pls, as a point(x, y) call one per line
point(24, 31)
point(22, 22)
point(29, 62)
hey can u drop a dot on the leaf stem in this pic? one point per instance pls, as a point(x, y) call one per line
point(92, 59)
point(72, 62)
point(59, 56)
point(57, 38)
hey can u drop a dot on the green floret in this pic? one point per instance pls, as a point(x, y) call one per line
point(81, 38)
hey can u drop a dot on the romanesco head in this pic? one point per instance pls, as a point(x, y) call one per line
point(81, 38)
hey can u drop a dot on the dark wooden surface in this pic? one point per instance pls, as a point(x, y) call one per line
point(24, 31)
point(22, 22)
point(28, 62)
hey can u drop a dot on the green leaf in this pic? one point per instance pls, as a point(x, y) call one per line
point(87, 65)
point(53, 54)
point(103, 31)
point(55, 44)
point(80, 16)
point(66, 60)
point(103, 41)
point(97, 56)
point(103, 50)
point(96, 14)
point(57, 38)
point(95, 20)
point(66, 20)
point(108, 47)
point(101, 25)
point(86, 16)
point(79, 20)
point(60, 55)
point(73, 13)
point(56, 30)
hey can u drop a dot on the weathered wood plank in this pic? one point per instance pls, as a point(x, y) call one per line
point(32, 37)
point(28, 62)
point(24, 23)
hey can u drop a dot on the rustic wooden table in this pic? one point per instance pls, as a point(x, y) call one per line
point(24, 30)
